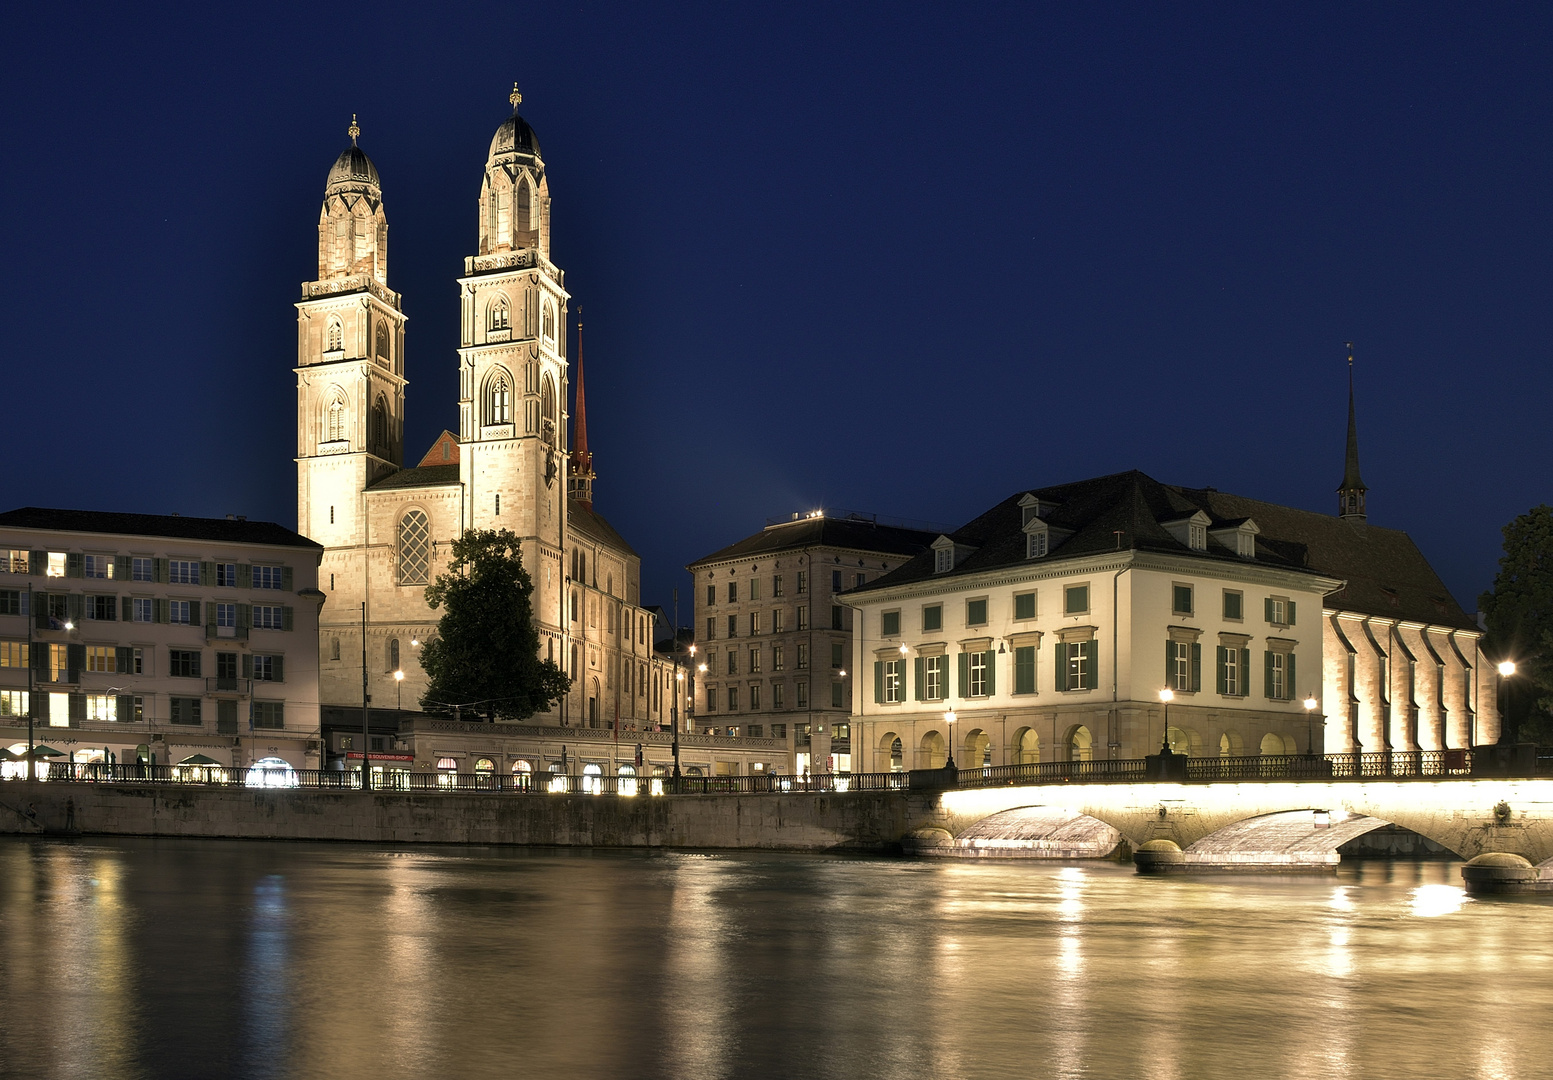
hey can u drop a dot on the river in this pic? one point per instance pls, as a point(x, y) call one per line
point(126, 959)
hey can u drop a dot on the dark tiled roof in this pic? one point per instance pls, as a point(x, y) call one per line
point(421, 476)
point(591, 523)
point(859, 534)
point(1386, 573)
point(194, 528)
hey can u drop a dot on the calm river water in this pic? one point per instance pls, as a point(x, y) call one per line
point(150, 959)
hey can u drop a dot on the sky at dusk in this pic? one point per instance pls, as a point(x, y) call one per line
point(908, 259)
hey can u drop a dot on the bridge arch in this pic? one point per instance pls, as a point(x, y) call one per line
point(1025, 747)
point(1079, 744)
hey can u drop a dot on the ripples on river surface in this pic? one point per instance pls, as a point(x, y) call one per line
point(152, 959)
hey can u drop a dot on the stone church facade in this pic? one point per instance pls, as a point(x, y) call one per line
point(387, 527)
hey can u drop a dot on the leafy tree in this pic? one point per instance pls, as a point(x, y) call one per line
point(485, 655)
point(1519, 614)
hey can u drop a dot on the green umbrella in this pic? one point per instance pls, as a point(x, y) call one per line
point(6, 755)
point(199, 759)
point(45, 751)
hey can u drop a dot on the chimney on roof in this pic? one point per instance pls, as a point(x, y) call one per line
point(1350, 496)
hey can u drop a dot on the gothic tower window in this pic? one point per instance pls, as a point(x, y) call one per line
point(524, 216)
point(334, 419)
point(382, 340)
point(393, 654)
point(547, 324)
point(414, 548)
point(498, 400)
point(547, 411)
point(379, 434)
point(335, 337)
point(500, 314)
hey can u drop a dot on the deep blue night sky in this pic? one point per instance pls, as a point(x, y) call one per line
point(907, 259)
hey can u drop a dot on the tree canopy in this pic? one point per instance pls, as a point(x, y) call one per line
point(485, 655)
point(1518, 612)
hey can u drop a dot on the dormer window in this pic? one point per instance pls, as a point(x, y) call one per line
point(943, 560)
point(1198, 538)
point(1191, 531)
point(1034, 508)
point(1237, 536)
point(1035, 544)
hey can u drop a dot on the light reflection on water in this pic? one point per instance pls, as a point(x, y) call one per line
point(153, 959)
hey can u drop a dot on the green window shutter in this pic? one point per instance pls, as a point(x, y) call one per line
point(126, 609)
point(160, 611)
point(123, 567)
point(1024, 669)
point(38, 563)
point(77, 708)
point(921, 666)
point(1289, 693)
point(207, 574)
point(1220, 659)
point(1094, 665)
point(1196, 667)
point(247, 665)
point(285, 578)
point(992, 672)
point(1061, 666)
point(1291, 612)
point(124, 708)
point(123, 657)
point(878, 682)
point(1170, 666)
point(75, 564)
point(244, 620)
point(280, 668)
point(75, 660)
point(1267, 674)
point(244, 576)
point(40, 610)
point(1267, 609)
point(210, 618)
point(965, 674)
point(75, 605)
point(40, 661)
point(286, 615)
point(159, 570)
point(1245, 672)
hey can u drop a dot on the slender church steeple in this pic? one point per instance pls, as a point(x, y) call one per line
point(1350, 496)
point(579, 484)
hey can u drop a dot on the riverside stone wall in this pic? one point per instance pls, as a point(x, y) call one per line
point(855, 821)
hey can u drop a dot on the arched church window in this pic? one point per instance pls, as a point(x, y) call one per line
point(382, 339)
point(414, 548)
point(393, 654)
point(498, 400)
point(334, 419)
point(547, 411)
point(335, 335)
point(524, 213)
point(379, 433)
point(500, 317)
point(547, 323)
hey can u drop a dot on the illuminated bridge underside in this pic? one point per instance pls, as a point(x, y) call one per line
point(1298, 825)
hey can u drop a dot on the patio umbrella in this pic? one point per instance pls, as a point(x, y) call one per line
point(6, 755)
point(45, 751)
point(199, 759)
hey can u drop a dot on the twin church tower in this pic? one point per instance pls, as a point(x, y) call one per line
point(386, 528)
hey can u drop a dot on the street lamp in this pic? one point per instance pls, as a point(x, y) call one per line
point(1166, 695)
point(1310, 726)
point(399, 689)
point(1506, 670)
point(949, 719)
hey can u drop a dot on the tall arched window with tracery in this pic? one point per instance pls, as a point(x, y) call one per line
point(547, 410)
point(500, 315)
point(414, 548)
point(547, 323)
point(334, 419)
point(382, 340)
point(379, 433)
point(334, 337)
point(498, 400)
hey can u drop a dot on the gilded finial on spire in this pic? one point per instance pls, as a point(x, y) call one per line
point(354, 130)
point(516, 97)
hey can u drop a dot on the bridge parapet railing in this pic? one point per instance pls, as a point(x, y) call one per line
point(1101, 771)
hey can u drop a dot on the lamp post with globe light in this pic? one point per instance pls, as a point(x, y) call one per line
point(1166, 695)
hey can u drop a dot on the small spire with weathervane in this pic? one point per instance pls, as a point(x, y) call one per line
point(1350, 497)
point(354, 130)
point(516, 97)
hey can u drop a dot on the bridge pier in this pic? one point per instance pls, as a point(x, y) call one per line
point(1499, 873)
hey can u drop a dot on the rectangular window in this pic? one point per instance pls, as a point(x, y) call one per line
point(890, 623)
point(183, 663)
point(142, 609)
point(803, 618)
point(733, 662)
point(56, 564)
point(1078, 665)
point(267, 617)
point(1024, 605)
point(101, 708)
point(142, 568)
point(711, 595)
point(59, 663)
point(837, 618)
point(1234, 605)
point(979, 663)
point(933, 678)
point(835, 581)
point(754, 623)
point(754, 698)
point(102, 608)
point(12, 602)
point(1024, 669)
point(226, 615)
point(137, 662)
point(776, 703)
point(801, 695)
point(269, 714)
point(1280, 611)
point(803, 581)
point(268, 577)
point(859, 579)
point(837, 696)
point(226, 665)
point(894, 683)
point(266, 668)
point(99, 566)
point(183, 572)
point(733, 699)
point(13, 703)
point(733, 592)
point(711, 628)
point(711, 699)
point(1183, 666)
point(733, 626)
point(755, 731)
point(15, 561)
point(777, 656)
point(178, 611)
point(943, 560)
point(755, 661)
point(778, 622)
point(1233, 676)
point(226, 575)
point(101, 658)
point(803, 656)
point(13, 654)
point(754, 595)
point(1277, 676)
point(838, 654)
point(1075, 600)
point(1181, 599)
point(933, 617)
point(976, 612)
point(776, 587)
point(1036, 543)
point(184, 710)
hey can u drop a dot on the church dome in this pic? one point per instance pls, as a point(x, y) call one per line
point(353, 169)
point(514, 137)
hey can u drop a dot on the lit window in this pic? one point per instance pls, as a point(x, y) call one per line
point(933, 678)
point(894, 681)
point(56, 567)
point(979, 670)
point(498, 401)
point(99, 566)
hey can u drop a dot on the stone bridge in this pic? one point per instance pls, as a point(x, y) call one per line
point(1503, 827)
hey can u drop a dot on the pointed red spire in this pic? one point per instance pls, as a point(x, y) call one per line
point(580, 485)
